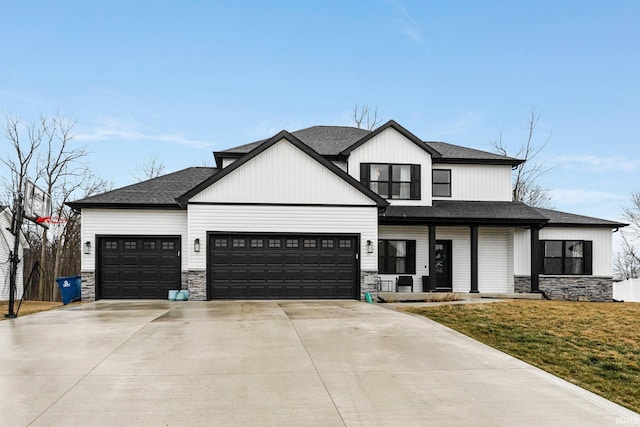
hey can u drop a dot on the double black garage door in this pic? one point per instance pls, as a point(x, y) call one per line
point(240, 266)
point(264, 266)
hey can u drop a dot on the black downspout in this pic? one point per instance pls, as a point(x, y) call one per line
point(432, 257)
point(474, 259)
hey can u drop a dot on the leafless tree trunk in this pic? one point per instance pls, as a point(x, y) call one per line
point(152, 168)
point(525, 180)
point(362, 117)
point(43, 150)
point(627, 262)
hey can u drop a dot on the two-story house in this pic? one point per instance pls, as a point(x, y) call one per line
point(334, 212)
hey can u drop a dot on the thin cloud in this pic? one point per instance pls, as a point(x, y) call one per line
point(466, 122)
point(114, 129)
point(585, 197)
point(405, 24)
point(598, 163)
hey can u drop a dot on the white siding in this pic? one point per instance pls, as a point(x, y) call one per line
point(392, 147)
point(284, 219)
point(226, 162)
point(495, 259)
point(478, 182)
point(601, 238)
point(6, 247)
point(522, 252)
point(342, 165)
point(282, 174)
point(461, 253)
point(405, 232)
point(132, 222)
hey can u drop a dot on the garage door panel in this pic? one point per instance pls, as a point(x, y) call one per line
point(138, 267)
point(281, 267)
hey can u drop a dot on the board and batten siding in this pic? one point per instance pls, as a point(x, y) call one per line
point(138, 222)
point(495, 259)
point(283, 219)
point(461, 255)
point(406, 232)
point(601, 238)
point(390, 146)
point(6, 247)
point(478, 182)
point(282, 174)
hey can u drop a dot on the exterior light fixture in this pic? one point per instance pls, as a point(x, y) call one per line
point(369, 247)
point(87, 247)
point(196, 245)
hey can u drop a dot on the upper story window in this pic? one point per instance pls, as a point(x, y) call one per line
point(566, 257)
point(441, 182)
point(392, 181)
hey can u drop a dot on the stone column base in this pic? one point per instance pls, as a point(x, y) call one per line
point(197, 285)
point(88, 286)
point(369, 283)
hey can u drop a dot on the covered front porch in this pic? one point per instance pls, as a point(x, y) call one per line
point(454, 246)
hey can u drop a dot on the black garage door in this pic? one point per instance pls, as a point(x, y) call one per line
point(263, 266)
point(138, 267)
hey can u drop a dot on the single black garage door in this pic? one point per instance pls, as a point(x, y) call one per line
point(265, 266)
point(135, 267)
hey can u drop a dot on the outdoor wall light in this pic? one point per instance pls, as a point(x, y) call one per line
point(87, 247)
point(369, 247)
point(196, 245)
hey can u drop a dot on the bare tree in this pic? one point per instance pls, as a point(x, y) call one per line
point(43, 150)
point(151, 168)
point(525, 180)
point(362, 117)
point(627, 262)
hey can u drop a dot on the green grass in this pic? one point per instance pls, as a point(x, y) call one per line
point(593, 345)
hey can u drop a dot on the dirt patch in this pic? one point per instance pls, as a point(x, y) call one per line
point(28, 307)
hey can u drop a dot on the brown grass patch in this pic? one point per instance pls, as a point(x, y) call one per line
point(429, 297)
point(28, 307)
point(593, 345)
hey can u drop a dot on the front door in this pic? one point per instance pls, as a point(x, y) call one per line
point(443, 266)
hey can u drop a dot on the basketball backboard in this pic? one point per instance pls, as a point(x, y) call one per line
point(37, 203)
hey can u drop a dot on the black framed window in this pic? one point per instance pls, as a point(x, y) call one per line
point(397, 256)
point(130, 245)
point(275, 243)
point(566, 257)
point(392, 181)
point(441, 182)
point(167, 246)
point(111, 245)
point(326, 243)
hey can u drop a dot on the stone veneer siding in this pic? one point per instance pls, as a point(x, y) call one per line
point(570, 288)
point(369, 283)
point(196, 285)
point(88, 286)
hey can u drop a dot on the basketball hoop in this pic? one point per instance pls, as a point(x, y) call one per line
point(50, 220)
point(47, 221)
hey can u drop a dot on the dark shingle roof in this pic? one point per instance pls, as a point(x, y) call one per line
point(333, 140)
point(157, 192)
point(569, 219)
point(324, 140)
point(457, 153)
point(464, 212)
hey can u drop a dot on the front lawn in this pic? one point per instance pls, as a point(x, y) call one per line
point(28, 307)
point(593, 345)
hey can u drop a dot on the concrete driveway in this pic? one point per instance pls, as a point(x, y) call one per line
point(270, 363)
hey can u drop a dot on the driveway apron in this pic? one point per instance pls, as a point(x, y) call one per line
point(315, 363)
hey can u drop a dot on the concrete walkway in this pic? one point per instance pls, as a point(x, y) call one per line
point(270, 363)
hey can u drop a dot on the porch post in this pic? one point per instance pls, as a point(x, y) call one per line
point(474, 259)
point(535, 259)
point(432, 257)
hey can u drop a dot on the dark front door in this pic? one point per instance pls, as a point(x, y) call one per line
point(443, 265)
point(275, 266)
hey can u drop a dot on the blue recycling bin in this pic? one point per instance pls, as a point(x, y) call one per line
point(69, 288)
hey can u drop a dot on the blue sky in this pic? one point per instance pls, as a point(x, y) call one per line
point(181, 79)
